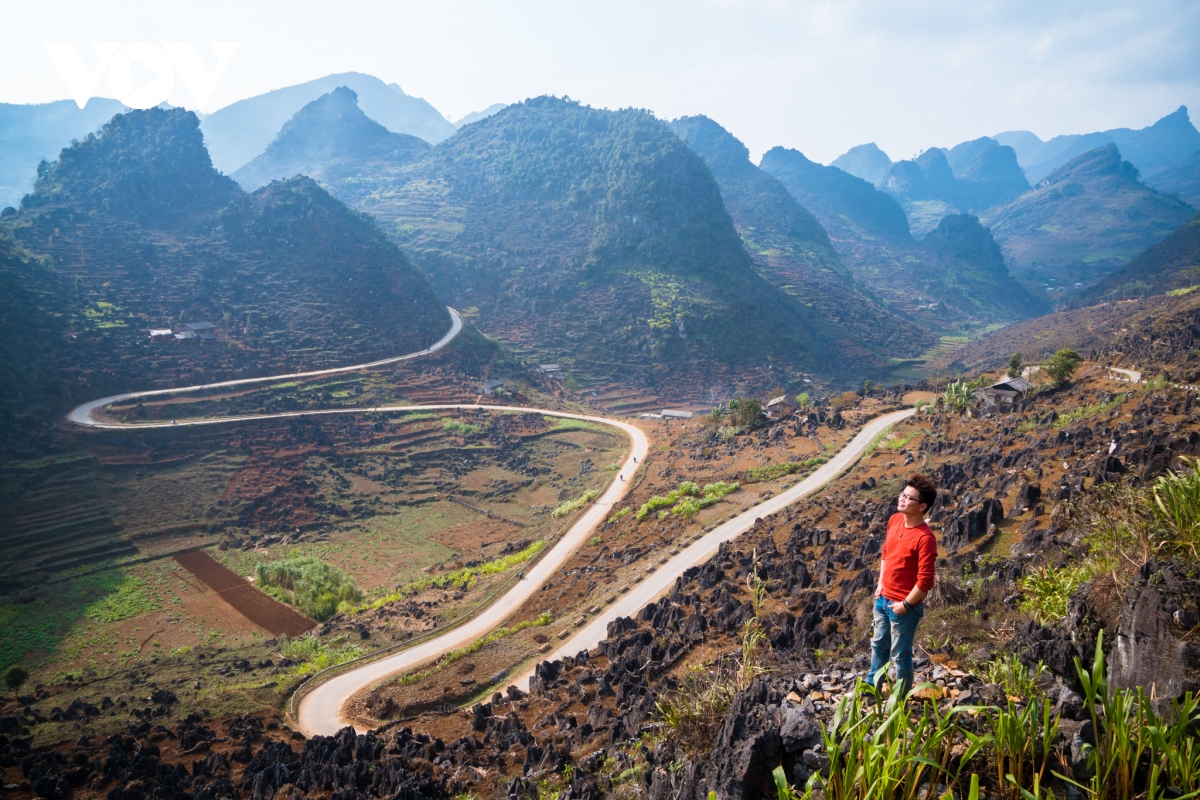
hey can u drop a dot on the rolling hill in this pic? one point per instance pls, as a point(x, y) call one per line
point(133, 229)
point(1171, 265)
point(240, 131)
point(1085, 221)
point(1181, 180)
point(792, 250)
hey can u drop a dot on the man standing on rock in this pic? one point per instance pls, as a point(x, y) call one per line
point(906, 572)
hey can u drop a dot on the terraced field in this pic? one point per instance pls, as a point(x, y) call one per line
point(56, 517)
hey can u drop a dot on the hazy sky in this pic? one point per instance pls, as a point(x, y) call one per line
point(819, 77)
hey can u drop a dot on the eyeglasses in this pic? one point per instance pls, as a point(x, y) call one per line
point(909, 498)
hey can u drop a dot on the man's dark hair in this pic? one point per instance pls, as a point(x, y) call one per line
point(928, 492)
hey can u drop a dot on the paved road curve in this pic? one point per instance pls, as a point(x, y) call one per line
point(663, 578)
point(82, 415)
point(320, 711)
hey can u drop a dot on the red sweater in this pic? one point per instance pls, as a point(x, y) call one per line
point(909, 555)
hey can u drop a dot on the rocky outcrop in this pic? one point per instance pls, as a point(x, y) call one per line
point(974, 524)
point(1150, 649)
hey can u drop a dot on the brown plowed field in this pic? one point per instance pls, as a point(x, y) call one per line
point(255, 606)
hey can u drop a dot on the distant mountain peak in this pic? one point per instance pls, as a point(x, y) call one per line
point(242, 130)
point(325, 135)
point(1100, 161)
point(1165, 144)
point(475, 116)
point(338, 114)
point(719, 147)
point(865, 161)
point(1085, 220)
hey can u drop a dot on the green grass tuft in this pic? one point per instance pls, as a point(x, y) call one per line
point(686, 500)
point(462, 579)
point(772, 471)
point(577, 503)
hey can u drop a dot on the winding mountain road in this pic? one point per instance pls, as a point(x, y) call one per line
point(320, 711)
point(664, 576)
point(82, 415)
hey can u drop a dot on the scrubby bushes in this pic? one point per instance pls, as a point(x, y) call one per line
point(316, 588)
point(577, 503)
point(958, 395)
point(772, 471)
point(1089, 411)
point(460, 427)
point(1062, 365)
point(543, 619)
point(1048, 591)
point(314, 655)
point(1177, 502)
point(1127, 525)
point(844, 400)
point(461, 579)
point(746, 414)
point(624, 512)
point(687, 499)
point(695, 710)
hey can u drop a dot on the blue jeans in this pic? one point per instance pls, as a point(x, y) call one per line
point(893, 640)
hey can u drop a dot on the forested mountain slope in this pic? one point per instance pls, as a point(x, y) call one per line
point(136, 230)
point(596, 238)
point(1171, 265)
point(792, 250)
point(868, 228)
point(1086, 220)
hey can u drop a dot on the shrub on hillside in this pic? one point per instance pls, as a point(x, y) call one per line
point(959, 394)
point(313, 586)
point(1177, 501)
point(1062, 365)
point(844, 400)
point(746, 414)
point(1015, 366)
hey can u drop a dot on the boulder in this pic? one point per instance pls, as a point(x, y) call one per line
point(747, 747)
point(1149, 649)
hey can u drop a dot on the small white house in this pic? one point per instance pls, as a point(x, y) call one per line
point(490, 388)
point(671, 413)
